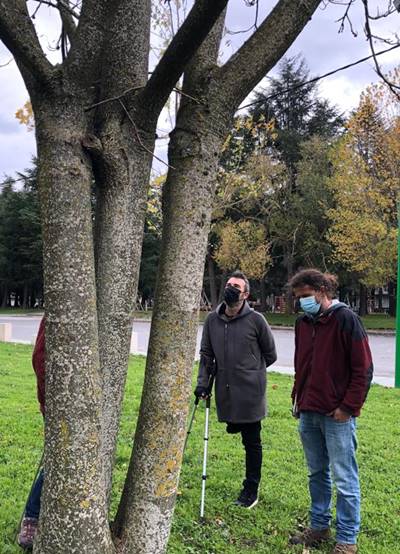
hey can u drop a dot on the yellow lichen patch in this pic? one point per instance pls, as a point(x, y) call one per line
point(84, 504)
point(64, 433)
point(167, 471)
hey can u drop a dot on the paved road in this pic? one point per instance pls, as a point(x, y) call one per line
point(24, 329)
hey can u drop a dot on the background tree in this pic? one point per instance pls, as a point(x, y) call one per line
point(365, 184)
point(20, 241)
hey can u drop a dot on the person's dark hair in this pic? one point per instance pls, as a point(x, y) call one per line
point(316, 280)
point(240, 275)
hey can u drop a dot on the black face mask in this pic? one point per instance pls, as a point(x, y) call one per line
point(231, 295)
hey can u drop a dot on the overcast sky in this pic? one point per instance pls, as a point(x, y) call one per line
point(320, 44)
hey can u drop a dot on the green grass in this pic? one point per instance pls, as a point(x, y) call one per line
point(21, 311)
point(373, 321)
point(284, 498)
point(379, 321)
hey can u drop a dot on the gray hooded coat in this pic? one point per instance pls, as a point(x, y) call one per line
point(241, 347)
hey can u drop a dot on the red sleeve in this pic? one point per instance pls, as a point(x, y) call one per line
point(38, 362)
point(361, 369)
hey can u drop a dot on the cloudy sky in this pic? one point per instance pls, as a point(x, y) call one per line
point(320, 44)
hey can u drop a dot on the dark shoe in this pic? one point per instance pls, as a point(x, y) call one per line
point(341, 548)
point(247, 499)
point(311, 537)
point(27, 532)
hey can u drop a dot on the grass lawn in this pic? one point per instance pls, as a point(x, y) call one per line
point(20, 311)
point(284, 497)
point(373, 321)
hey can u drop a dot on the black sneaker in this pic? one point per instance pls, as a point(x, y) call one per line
point(247, 499)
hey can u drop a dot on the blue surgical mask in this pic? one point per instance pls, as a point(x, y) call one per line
point(310, 305)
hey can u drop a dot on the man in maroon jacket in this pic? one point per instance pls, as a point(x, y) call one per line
point(31, 517)
point(333, 371)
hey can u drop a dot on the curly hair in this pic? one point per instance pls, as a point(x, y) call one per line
point(316, 280)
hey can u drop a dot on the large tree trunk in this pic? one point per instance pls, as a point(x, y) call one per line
point(73, 517)
point(187, 201)
point(160, 430)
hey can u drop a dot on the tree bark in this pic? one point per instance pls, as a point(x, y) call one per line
point(121, 206)
point(73, 516)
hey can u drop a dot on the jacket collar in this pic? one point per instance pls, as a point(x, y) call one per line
point(324, 317)
point(246, 310)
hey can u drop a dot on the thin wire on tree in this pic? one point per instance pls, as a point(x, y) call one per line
point(315, 79)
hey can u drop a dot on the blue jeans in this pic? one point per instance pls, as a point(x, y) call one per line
point(32, 508)
point(327, 442)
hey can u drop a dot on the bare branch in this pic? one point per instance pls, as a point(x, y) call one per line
point(189, 37)
point(392, 86)
point(254, 26)
point(7, 63)
point(18, 34)
point(112, 99)
point(278, 31)
point(345, 18)
point(55, 5)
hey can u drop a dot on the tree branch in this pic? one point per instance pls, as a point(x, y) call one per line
point(392, 86)
point(185, 43)
point(18, 34)
point(67, 19)
point(88, 40)
point(56, 6)
point(126, 49)
point(244, 70)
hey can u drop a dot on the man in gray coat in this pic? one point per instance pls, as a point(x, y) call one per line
point(238, 343)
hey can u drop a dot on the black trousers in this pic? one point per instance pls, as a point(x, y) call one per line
point(251, 440)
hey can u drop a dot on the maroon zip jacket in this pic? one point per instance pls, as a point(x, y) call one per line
point(333, 363)
point(38, 357)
